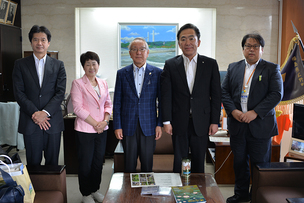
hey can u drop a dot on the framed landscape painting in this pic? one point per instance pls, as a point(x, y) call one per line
point(160, 37)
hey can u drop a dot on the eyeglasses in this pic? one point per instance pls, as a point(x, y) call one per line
point(255, 47)
point(140, 49)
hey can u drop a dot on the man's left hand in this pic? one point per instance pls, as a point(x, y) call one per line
point(158, 132)
point(213, 129)
point(44, 125)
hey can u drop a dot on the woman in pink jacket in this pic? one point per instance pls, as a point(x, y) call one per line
point(92, 105)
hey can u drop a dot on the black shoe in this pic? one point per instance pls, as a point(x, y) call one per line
point(237, 199)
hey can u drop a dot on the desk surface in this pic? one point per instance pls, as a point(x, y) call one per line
point(120, 190)
point(293, 156)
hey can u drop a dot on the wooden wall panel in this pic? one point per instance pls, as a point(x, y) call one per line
point(293, 10)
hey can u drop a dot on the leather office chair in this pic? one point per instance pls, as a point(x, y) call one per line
point(274, 182)
point(49, 183)
point(163, 156)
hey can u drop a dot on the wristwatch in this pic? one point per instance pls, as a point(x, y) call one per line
point(107, 122)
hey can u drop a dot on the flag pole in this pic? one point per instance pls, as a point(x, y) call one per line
point(296, 31)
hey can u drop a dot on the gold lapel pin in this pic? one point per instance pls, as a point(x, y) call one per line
point(150, 73)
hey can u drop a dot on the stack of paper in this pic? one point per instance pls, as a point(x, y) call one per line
point(155, 179)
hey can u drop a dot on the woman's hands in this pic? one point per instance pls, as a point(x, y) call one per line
point(100, 126)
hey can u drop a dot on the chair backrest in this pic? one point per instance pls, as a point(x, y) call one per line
point(48, 178)
point(164, 145)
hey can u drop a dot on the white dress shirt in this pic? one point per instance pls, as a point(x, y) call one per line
point(247, 80)
point(190, 68)
point(96, 88)
point(139, 74)
point(40, 66)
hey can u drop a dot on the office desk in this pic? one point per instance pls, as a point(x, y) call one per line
point(120, 190)
point(292, 156)
point(70, 145)
point(225, 174)
point(9, 119)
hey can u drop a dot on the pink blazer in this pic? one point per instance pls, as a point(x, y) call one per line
point(86, 102)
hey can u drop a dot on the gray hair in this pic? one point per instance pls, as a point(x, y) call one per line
point(138, 38)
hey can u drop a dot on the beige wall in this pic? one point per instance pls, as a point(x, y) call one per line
point(235, 18)
point(105, 43)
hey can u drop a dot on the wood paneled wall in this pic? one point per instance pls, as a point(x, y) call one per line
point(293, 10)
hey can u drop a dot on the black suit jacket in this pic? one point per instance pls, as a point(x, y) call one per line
point(265, 93)
point(205, 100)
point(32, 98)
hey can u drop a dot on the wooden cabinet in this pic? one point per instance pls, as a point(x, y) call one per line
point(224, 168)
point(10, 50)
point(292, 11)
point(70, 146)
point(53, 54)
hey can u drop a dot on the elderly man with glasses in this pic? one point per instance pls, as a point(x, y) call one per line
point(135, 117)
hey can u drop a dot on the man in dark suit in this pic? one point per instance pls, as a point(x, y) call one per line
point(39, 87)
point(136, 122)
point(191, 100)
point(250, 91)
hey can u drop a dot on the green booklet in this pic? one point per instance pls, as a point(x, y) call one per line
point(189, 193)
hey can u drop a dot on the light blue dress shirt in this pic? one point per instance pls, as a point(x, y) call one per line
point(139, 74)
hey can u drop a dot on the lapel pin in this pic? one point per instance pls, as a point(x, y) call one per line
point(203, 62)
point(260, 77)
point(150, 73)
